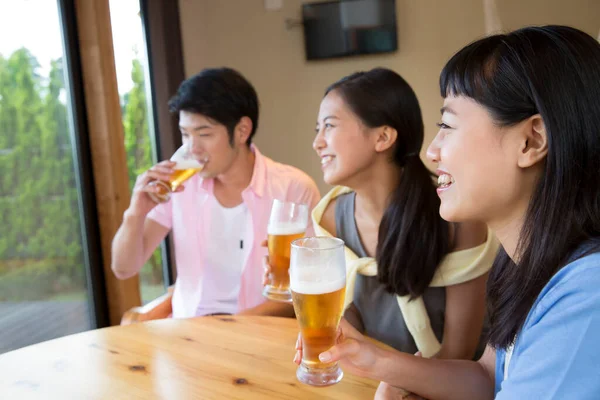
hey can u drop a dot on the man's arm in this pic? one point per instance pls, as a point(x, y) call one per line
point(134, 243)
point(138, 236)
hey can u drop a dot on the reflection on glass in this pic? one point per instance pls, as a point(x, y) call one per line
point(42, 268)
point(131, 64)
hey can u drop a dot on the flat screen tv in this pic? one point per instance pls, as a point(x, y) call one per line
point(349, 27)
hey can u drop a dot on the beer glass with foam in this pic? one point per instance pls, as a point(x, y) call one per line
point(318, 284)
point(186, 165)
point(287, 223)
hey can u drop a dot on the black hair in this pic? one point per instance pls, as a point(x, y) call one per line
point(412, 237)
point(221, 94)
point(553, 71)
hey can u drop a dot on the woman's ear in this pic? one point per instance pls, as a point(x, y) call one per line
point(386, 137)
point(534, 142)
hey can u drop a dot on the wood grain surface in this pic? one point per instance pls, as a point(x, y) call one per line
point(220, 357)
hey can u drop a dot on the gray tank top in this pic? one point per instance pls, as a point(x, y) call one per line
point(381, 316)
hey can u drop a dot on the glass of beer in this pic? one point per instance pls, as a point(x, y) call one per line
point(287, 223)
point(186, 165)
point(318, 283)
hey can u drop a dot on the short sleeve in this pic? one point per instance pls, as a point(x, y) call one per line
point(557, 354)
point(163, 214)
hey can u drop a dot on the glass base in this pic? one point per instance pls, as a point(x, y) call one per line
point(319, 377)
point(272, 293)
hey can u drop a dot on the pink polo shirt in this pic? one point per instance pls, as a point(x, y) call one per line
point(190, 221)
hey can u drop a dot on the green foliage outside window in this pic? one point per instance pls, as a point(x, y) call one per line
point(41, 252)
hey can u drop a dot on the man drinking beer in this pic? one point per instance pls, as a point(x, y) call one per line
point(219, 216)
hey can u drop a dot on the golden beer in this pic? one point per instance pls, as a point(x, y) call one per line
point(318, 316)
point(186, 165)
point(287, 223)
point(179, 176)
point(279, 256)
point(318, 286)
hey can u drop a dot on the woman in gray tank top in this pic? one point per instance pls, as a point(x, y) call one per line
point(369, 136)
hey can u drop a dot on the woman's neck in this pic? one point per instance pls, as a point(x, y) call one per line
point(373, 193)
point(508, 226)
point(508, 230)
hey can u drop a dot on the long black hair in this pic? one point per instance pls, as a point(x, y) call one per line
point(553, 71)
point(412, 237)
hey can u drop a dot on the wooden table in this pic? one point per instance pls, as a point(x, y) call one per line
point(202, 358)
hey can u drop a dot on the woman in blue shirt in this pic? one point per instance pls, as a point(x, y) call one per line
point(518, 148)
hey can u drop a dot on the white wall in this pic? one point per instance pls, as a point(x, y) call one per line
point(241, 34)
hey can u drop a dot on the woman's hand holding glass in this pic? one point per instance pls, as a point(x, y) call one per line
point(358, 356)
point(355, 353)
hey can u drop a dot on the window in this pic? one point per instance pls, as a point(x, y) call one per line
point(46, 282)
point(131, 63)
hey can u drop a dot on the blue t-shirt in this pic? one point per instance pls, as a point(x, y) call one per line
point(557, 353)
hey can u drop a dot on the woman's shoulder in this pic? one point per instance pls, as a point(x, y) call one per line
point(329, 217)
point(555, 353)
point(581, 275)
point(572, 290)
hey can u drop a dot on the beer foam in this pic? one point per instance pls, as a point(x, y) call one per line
point(319, 284)
point(286, 228)
point(187, 164)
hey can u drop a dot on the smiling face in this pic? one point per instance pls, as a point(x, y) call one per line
point(207, 138)
point(477, 164)
point(346, 147)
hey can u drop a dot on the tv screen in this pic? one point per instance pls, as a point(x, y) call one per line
point(349, 27)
